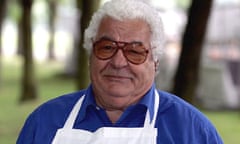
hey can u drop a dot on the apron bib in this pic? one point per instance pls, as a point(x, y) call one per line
point(108, 135)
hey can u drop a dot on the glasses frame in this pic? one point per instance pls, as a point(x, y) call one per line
point(122, 46)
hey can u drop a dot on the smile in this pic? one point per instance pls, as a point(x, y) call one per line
point(117, 78)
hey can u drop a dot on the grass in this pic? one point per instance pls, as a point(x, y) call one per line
point(13, 114)
point(227, 124)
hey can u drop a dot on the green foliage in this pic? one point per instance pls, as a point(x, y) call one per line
point(183, 4)
point(14, 11)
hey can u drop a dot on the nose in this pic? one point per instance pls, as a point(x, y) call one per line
point(119, 60)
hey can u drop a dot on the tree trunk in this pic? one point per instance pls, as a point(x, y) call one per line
point(88, 7)
point(3, 5)
point(28, 79)
point(186, 77)
point(52, 5)
point(20, 32)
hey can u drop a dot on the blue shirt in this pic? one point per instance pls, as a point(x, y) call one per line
point(177, 121)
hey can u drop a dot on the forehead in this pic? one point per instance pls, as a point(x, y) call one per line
point(124, 30)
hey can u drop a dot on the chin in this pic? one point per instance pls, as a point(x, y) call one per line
point(117, 93)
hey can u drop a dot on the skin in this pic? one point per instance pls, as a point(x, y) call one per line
point(116, 82)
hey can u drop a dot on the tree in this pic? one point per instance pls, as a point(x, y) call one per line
point(3, 5)
point(52, 6)
point(29, 91)
point(186, 77)
point(88, 7)
point(19, 29)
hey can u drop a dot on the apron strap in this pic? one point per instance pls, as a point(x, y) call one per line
point(73, 115)
point(156, 105)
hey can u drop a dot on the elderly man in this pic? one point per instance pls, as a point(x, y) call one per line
point(121, 105)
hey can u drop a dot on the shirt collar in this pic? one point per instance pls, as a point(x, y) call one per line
point(147, 101)
point(87, 102)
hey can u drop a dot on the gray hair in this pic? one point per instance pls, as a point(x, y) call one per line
point(129, 9)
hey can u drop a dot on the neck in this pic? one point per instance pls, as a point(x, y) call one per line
point(114, 115)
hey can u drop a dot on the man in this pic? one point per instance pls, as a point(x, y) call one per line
point(121, 105)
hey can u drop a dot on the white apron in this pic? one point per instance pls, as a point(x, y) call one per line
point(108, 135)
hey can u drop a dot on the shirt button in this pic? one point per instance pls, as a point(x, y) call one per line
point(98, 108)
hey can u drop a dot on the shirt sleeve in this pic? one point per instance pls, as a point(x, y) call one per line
point(211, 135)
point(180, 122)
point(27, 133)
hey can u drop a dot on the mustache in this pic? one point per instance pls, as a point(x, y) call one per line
point(117, 73)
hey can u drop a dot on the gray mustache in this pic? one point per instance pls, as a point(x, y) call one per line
point(117, 73)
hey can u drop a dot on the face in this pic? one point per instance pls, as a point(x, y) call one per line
point(118, 83)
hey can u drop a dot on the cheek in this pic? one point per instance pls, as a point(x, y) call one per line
point(148, 72)
point(93, 68)
point(94, 63)
point(96, 66)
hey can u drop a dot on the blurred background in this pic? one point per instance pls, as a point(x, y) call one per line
point(41, 57)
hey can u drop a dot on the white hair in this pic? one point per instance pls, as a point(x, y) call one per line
point(129, 9)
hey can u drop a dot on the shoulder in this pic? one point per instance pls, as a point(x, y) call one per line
point(55, 111)
point(60, 105)
point(173, 106)
point(67, 99)
point(44, 121)
point(179, 119)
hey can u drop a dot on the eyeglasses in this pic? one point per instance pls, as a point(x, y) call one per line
point(134, 52)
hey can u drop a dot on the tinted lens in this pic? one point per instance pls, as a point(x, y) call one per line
point(104, 49)
point(134, 52)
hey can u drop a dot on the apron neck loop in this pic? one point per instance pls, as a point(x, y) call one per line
point(73, 115)
point(148, 121)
